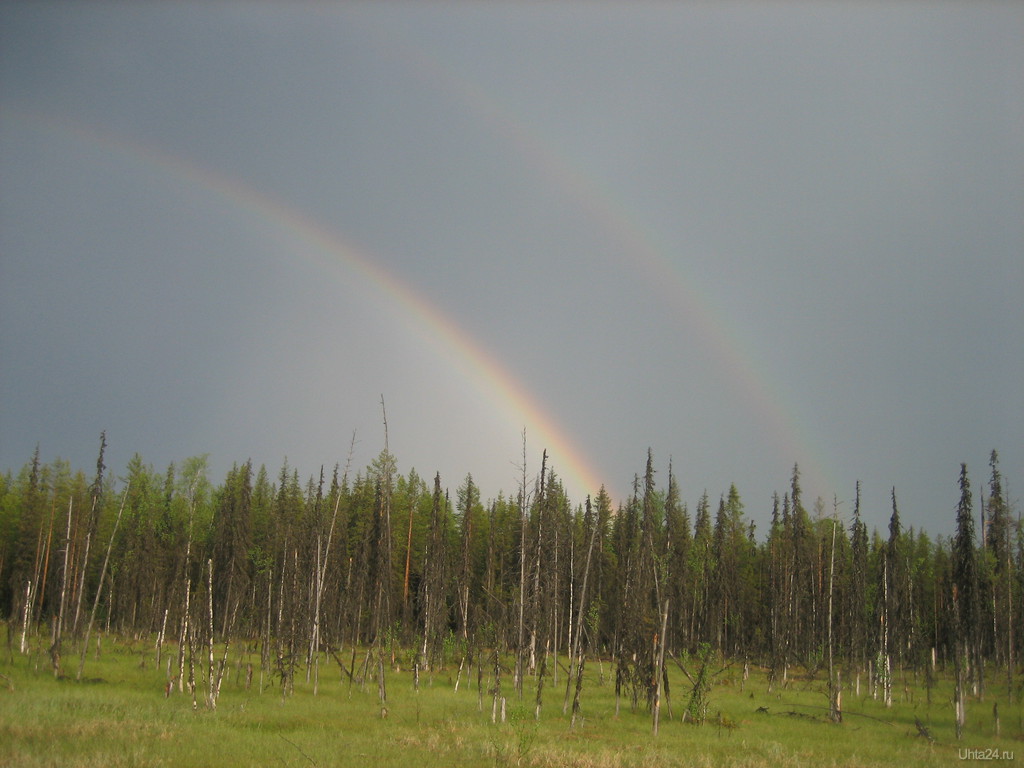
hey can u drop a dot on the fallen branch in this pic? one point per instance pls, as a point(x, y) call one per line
point(343, 667)
point(311, 760)
point(924, 730)
point(845, 713)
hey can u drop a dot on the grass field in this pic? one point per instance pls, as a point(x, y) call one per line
point(119, 716)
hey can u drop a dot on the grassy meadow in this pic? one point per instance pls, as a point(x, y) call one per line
point(119, 715)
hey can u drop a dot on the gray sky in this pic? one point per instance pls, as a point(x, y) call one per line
point(743, 235)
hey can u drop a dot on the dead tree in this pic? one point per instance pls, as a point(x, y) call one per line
point(58, 625)
point(99, 590)
point(323, 552)
point(96, 493)
point(185, 635)
point(659, 669)
point(574, 649)
point(520, 661)
point(834, 689)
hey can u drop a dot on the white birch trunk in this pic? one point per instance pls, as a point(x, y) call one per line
point(26, 613)
point(211, 686)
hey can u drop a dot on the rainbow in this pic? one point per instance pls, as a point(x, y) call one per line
point(723, 340)
point(328, 248)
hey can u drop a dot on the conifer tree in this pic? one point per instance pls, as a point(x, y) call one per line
point(965, 599)
point(678, 540)
point(467, 506)
point(29, 549)
point(1000, 568)
point(857, 603)
point(232, 540)
point(432, 585)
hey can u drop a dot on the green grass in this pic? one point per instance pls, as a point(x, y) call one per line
point(120, 716)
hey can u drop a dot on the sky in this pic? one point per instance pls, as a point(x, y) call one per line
point(741, 235)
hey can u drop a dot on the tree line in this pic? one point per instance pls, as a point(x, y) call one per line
point(315, 568)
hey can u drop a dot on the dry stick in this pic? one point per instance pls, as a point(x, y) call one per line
point(42, 552)
point(223, 663)
point(58, 625)
point(522, 574)
point(91, 524)
point(382, 691)
point(458, 677)
point(311, 760)
point(160, 637)
point(835, 700)
point(540, 681)
point(321, 572)
point(341, 664)
point(85, 565)
point(99, 589)
point(574, 650)
point(536, 597)
point(41, 580)
point(660, 668)
point(408, 558)
point(579, 688)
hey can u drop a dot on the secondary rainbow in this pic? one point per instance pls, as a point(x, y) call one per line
point(712, 326)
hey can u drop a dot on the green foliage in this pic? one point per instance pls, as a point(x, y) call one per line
point(449, 574)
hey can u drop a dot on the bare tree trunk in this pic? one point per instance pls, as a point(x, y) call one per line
point(40, 579)
point(520, 661)
point(186, 633)
point(383, 617)
point(536, 597)
point(27, 612)
point(211, 697)
point(498, 698)
point(886, 662)
point(1009, 627)
point(574, 648)
point(554, 610)
point(192, 664)
point(59, 623)
point(183, 637)
point(659, 667)
point(99, 589)
point(834, 692)
point(408, 559)
point(540, 683)
point(160, 637)
point(579, 689)
point(85, 565)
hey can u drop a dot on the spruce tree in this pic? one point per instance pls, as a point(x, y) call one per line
point(965, 598)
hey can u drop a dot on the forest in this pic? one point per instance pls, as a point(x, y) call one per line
point(359, 568)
